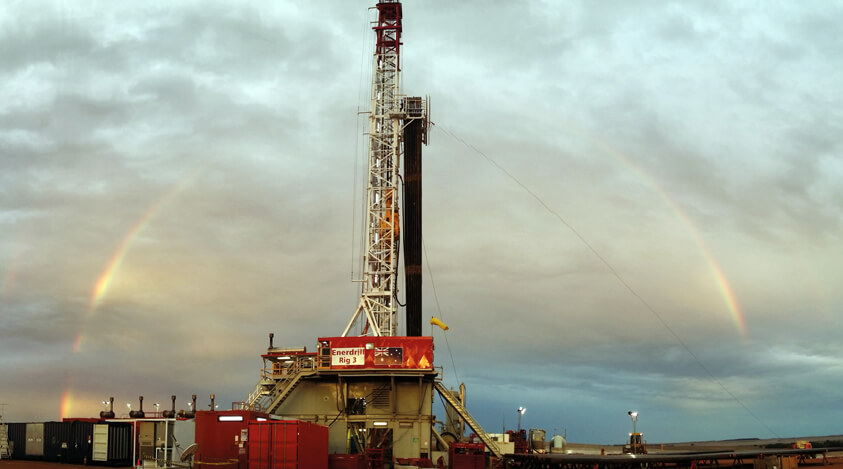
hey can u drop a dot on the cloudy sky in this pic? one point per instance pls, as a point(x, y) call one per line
point(629, 205)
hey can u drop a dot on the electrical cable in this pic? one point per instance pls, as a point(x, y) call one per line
point(614, 272)
point(398, 249)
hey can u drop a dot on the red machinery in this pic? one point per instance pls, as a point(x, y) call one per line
point(467, 455)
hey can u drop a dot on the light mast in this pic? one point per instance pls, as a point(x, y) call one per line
point(389, 113)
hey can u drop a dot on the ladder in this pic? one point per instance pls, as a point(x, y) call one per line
point(5, 451)
point(463, 412)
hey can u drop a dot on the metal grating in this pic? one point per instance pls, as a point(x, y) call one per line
point(381, 397)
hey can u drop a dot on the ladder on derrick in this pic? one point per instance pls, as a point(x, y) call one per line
point(469, 420)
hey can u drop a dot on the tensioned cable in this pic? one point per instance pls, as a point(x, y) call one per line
point(357, 151)
point(614, 272)
point(439, 308)
point(366, 46)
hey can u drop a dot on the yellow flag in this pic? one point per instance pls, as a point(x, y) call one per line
point(437, 322)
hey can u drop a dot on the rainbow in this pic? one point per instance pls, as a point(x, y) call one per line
point(66, 397)
point(116, 260)
point(720, 278)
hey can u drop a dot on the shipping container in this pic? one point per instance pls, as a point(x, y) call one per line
point(287, 444)
point(221, 437)
point(57, 441)
point(81, 437)
point(346, 461)
point(112, 444)
point(17, 439)
point(34, 440)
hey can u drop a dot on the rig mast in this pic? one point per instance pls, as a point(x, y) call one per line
point(389, 113)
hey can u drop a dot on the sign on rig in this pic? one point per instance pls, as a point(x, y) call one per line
point(369, 352)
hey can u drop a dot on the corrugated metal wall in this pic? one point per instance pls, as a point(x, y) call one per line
point(81, 442)
point(57, 441)
point(17, 436)
point(112, 444)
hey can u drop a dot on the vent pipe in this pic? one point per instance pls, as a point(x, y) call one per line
point(168, 414)
point(189, 414)
point(138, 414)
point(212, 402)
point(108, 414)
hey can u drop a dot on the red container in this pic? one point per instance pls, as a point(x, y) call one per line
point(467, 455)
point(221, 437)
point(346, 461)
point(288, 444)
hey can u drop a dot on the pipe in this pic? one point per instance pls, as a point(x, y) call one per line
point(412, 240)
point(271, 336)
point(189, 414)
point(168, 414)
point(212, 402)
point(108, 414)
point(138, 414)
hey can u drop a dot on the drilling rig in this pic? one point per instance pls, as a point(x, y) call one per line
point(375, 390)
point(393, 121)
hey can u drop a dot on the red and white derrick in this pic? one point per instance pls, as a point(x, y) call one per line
point(380, 266)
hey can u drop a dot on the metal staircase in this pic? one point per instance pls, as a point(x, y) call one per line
point(284, 388)
point(463, 412)
point(276, 383)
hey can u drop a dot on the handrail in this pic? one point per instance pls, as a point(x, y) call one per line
point(279, 379)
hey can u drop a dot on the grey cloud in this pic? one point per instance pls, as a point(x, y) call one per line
point(241, 122)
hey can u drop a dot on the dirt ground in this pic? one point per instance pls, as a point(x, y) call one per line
point(17, 463)
point(835, 462)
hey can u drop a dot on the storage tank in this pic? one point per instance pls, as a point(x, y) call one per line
point(557, 444)
point(537, 443)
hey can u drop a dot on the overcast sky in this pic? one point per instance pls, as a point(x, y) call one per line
point(179, 179)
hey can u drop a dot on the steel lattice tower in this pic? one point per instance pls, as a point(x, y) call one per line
point(380, 264)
